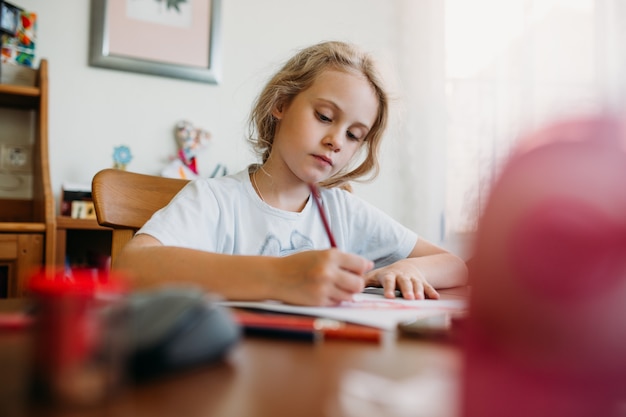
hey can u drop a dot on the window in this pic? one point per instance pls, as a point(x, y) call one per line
point(512, 66)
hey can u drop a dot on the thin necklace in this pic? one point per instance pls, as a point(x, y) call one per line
point(256, 187)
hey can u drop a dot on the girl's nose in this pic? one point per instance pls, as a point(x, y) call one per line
point(332, 140)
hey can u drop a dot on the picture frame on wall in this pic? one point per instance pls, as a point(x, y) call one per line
point(169, 38)
point(9, 18)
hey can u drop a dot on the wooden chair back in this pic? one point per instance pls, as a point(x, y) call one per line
point(124, 201)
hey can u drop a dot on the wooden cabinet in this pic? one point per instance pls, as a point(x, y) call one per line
point(27, 221)
point(19, 254)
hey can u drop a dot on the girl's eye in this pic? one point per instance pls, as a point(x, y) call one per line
point(352, 136)
point(323, 118)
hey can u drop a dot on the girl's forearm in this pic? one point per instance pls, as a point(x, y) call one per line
point(231, 276)
point(443, 270)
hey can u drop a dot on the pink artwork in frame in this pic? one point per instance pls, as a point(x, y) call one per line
point(172, 38)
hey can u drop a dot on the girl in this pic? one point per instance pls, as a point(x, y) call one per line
point(258, 235)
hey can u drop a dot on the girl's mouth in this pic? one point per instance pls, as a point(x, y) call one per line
point(324, 159)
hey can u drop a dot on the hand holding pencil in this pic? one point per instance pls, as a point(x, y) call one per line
point(320, 277)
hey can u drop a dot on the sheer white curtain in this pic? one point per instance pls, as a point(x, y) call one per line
point(483, 72)
point(421, 142)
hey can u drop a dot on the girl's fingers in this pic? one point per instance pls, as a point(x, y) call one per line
point(430, 292)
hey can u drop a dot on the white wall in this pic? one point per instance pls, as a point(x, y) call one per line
point(92, 110)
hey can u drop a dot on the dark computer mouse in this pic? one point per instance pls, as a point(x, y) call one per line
point(173, 329)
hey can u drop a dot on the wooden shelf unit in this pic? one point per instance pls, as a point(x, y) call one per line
point(82, 243)
point(27, 226)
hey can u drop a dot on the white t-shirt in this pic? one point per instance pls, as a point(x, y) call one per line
point(225, 215)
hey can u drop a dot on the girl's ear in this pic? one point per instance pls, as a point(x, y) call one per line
point(277, 112)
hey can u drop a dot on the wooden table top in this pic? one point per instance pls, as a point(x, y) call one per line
point(272, 377)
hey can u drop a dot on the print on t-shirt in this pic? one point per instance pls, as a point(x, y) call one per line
point(297, 243)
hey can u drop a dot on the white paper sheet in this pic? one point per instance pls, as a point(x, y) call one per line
point(366, 309)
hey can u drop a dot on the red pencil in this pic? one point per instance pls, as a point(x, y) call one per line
point(317, 198)
point(283, 325)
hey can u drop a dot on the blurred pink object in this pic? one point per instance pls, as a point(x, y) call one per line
point(546, 334)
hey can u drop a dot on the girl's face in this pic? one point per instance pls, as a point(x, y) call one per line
point(324, 126)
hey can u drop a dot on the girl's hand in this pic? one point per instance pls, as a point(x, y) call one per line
point(320, 277)
point(405, 276)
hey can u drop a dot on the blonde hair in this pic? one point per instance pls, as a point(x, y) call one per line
point(298, 74)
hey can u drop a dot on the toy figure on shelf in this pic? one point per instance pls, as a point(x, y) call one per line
point(191, 141)
point(121, 157)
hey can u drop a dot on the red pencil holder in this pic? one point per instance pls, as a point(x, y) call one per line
point(80, 338)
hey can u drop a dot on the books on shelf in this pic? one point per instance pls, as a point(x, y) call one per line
point(76, 201)
point(19, 43)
